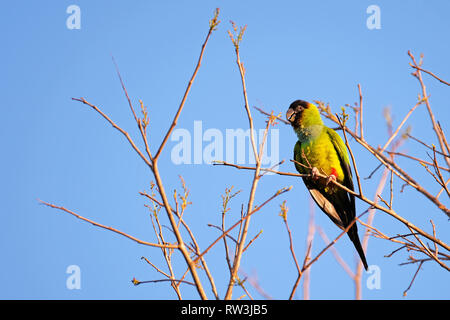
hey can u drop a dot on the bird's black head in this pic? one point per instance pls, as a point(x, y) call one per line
point(294, 113)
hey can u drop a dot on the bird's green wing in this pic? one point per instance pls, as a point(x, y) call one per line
point(344, 198)
point(298, 157)
point(341, 150)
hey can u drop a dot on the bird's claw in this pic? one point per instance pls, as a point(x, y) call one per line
point(330, 178)
point(315, 173)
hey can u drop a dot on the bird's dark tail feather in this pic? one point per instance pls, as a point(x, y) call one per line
point(353, 235)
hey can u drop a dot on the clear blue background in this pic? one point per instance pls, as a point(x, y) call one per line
point(60, 151)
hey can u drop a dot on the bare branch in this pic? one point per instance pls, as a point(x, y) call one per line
point(115, 126)
point(137, 282)
point(430, 73)
point(167, 246)
point(418, 75)
point(360, 113)
point(188, 88)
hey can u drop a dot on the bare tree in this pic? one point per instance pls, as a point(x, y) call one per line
point(426, 246)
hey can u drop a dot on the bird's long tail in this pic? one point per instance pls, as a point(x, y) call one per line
point(353, 235)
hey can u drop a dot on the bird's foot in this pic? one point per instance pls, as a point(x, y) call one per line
point(330, 178)
point(315, 173)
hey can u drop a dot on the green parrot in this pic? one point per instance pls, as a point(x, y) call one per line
point(322, 149)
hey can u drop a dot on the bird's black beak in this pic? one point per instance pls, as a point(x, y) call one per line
point(290, 115)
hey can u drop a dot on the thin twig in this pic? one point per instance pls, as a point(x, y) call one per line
point(401, 124)
point(137, 282)
point(414, 277)
point(188, 89)
point(418, 75)
point(415, 159)
point(115, 126)
point(430, 73)
point(243, 218)
point(155, 267)
point(351, 155)
point(283, 214)
point(167, 246)
point(309, 243)
point(360, 112)
point(251, 241)
point(279, 118)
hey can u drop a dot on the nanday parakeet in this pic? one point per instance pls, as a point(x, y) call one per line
point(323, 149)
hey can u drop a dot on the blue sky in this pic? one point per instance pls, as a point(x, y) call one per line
point(60, 151)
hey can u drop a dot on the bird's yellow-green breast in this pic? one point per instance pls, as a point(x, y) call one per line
point(320, 153)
